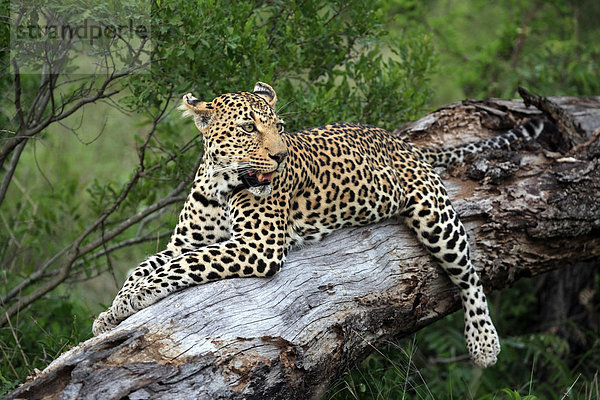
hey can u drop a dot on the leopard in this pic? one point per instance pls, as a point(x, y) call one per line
point(261, 191)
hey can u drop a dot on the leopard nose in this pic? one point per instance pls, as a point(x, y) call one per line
point(279, 157)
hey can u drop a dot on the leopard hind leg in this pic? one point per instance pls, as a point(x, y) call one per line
point(437, 226)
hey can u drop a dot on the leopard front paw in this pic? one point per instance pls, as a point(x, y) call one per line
point(482, 341)
point(120, 309)
point(127, 303)
point(104, 323)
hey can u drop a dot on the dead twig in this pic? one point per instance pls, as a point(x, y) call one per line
point(571, 131)
point(582, 146)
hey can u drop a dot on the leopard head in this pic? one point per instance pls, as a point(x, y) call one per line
point(243, 137)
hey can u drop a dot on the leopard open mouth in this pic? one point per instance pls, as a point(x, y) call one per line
point(254, 179)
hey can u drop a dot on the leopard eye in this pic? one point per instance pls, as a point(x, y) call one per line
point(280, 127)
point(249, 127)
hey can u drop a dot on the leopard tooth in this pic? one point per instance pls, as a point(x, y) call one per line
point(260, 177)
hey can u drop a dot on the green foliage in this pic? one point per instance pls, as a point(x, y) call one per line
point(487, 49)
point(36, 338)
point(514, 395)
point(327, 60)
point(432, 364)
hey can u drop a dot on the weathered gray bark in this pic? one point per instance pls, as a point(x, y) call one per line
point(291, 336)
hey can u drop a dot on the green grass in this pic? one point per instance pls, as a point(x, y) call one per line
point(433, 364)
point(404, 371)
point(34, 339)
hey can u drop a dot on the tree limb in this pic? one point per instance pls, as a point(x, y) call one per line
point(77, 250)
point(8, 175)
point(572, 133)
point(291, 336)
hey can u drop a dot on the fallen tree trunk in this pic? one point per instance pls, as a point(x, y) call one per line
point(291, 336)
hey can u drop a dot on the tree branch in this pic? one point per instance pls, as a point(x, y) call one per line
point(572, 133)
point(11, 170)
point(32, 122)
point(77, 250)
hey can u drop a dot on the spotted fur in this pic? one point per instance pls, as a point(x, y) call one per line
point(260, 191)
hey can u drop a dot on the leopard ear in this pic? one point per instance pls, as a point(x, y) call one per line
point(266, 92)
point(201, 111)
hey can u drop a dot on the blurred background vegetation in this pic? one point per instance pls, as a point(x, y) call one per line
point(95, 166)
